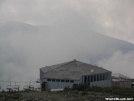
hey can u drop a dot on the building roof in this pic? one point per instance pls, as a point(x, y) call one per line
point(71, 70)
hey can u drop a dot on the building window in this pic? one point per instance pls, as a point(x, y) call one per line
point(58, 80)
point(97, 77)
point(48, 79)
point(103, 76)
point(85, 79)
point(67, 80)
point(92, 78)
point(100, 77)
point(88, 78)
point(62, 80)
point(71, 81)
point(53, 80)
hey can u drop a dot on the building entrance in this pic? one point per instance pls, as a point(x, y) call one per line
point(43, 86)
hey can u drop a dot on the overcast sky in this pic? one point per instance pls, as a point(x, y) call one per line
point(26, 53)
point(114, 18)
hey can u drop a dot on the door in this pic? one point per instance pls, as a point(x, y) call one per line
point(43, 86)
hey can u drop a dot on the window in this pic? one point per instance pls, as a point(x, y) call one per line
point(100, 76)
point(58, 80)
point(67, 80)
point(103, 76)
point(62, 80)
point(48, 79)
point(53, 80)
point(85, 79)
point(97, 77)
point(88, 78)
point(94, 77)
point(71, 81)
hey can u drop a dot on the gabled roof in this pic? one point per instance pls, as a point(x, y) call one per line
point(71, 70)
point(49, 68)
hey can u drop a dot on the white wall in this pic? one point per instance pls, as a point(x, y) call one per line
point(104, 83)
point(58, 85)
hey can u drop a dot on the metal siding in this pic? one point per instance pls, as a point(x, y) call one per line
point(102, 83)
point(58, 85)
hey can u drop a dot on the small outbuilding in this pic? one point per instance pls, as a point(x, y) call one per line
point(121, 81)
point(72, 73)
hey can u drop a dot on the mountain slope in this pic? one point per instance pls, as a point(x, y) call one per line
point(25, 48)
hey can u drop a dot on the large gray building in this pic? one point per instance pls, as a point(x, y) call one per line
point(73, 73)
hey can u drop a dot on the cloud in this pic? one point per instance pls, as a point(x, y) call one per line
point(1, 1)
point(23, 51)
point(112, 18)
point(119, 63)
point(63, 31)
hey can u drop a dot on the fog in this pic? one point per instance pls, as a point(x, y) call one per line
point(38, 33)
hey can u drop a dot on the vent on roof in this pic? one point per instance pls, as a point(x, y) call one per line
point(92, 70)
point(74, 59)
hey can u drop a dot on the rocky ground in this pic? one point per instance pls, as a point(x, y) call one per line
point(55, 96)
